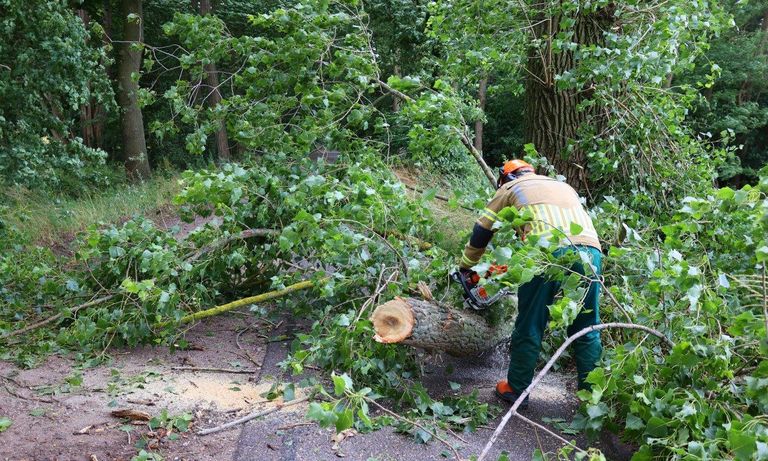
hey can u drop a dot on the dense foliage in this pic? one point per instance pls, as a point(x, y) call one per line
point(50, 66)
point(320, 99)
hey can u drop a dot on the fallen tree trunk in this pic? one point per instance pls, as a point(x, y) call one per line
point(434, 326)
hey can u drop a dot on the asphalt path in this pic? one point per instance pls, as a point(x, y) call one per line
point(279, 437)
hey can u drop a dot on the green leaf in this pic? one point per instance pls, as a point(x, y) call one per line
point(454, 386)
point(5, 423)
point(345, 420)
point(325, 418)
point(742, 443)
point(634, 423)
point(576, 229)
point(643, 454)
point(656, 427)
point(289, 392)
point(596, 411)
point(37, 412)
point(341, 383)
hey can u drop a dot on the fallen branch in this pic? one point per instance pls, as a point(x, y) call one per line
point(53, 318)
point(548, 366)
point(248, 233)
point(464, 139)
point(215, 370)
point(247, 301)
point(249, 417)
point(422, 245)
point(401, 418)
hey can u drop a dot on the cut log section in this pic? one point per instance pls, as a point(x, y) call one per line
point(434, 326)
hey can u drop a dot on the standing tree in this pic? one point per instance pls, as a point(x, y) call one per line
point(553, 116)
point(134, 149)
point(51, 65)
point(213, 98)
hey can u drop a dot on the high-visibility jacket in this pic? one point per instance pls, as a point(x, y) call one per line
point(553, 204)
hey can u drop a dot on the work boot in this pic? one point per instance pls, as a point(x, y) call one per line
point(505, 392)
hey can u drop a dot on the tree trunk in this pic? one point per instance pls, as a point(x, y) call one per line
point(552, 116)
point(91, 114)
point(433, 326)
point(396, 72)
point(132, 122)
point(482, 90)
point(214, 98)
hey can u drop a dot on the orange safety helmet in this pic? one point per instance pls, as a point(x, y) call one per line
point(510, 166)
point(512, 169)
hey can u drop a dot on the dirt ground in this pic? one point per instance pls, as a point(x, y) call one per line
point(57, 417)
point(62, 411)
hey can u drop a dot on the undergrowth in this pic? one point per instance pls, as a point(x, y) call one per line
point(47, 219)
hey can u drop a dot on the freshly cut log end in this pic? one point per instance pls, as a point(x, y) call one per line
point(393, 321)
point(434, 326)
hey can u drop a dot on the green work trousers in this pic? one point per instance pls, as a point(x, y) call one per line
point(534, 299)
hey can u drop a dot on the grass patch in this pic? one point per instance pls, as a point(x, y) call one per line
point(46, 219)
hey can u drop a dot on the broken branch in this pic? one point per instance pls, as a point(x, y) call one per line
point(464, 139)
point(249, 417)
point(215, 370)
point(53, 318)
point(248, 301)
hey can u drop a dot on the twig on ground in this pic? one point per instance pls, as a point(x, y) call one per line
point(216, 370)
point(437, 196)
point(246, 351)
point(513, 411)
point(249, 417)
point(402, 418)
point(293, 426)
point(24, 397)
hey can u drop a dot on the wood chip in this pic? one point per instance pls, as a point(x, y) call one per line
point(83, 431)
point(136, 415)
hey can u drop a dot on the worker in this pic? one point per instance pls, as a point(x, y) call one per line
point(554, 205)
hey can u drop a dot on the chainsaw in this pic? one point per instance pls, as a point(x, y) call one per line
point(476, 297)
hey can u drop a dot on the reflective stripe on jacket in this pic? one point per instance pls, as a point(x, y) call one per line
point(553, 204)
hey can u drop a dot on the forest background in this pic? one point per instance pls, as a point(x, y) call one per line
point(657, 112)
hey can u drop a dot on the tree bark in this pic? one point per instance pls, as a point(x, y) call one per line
point(91, 114)
point(134, 151)
point(482, 90)
point(434, 326)
point(214, 98)
point(553, 119)
point(396, 72)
